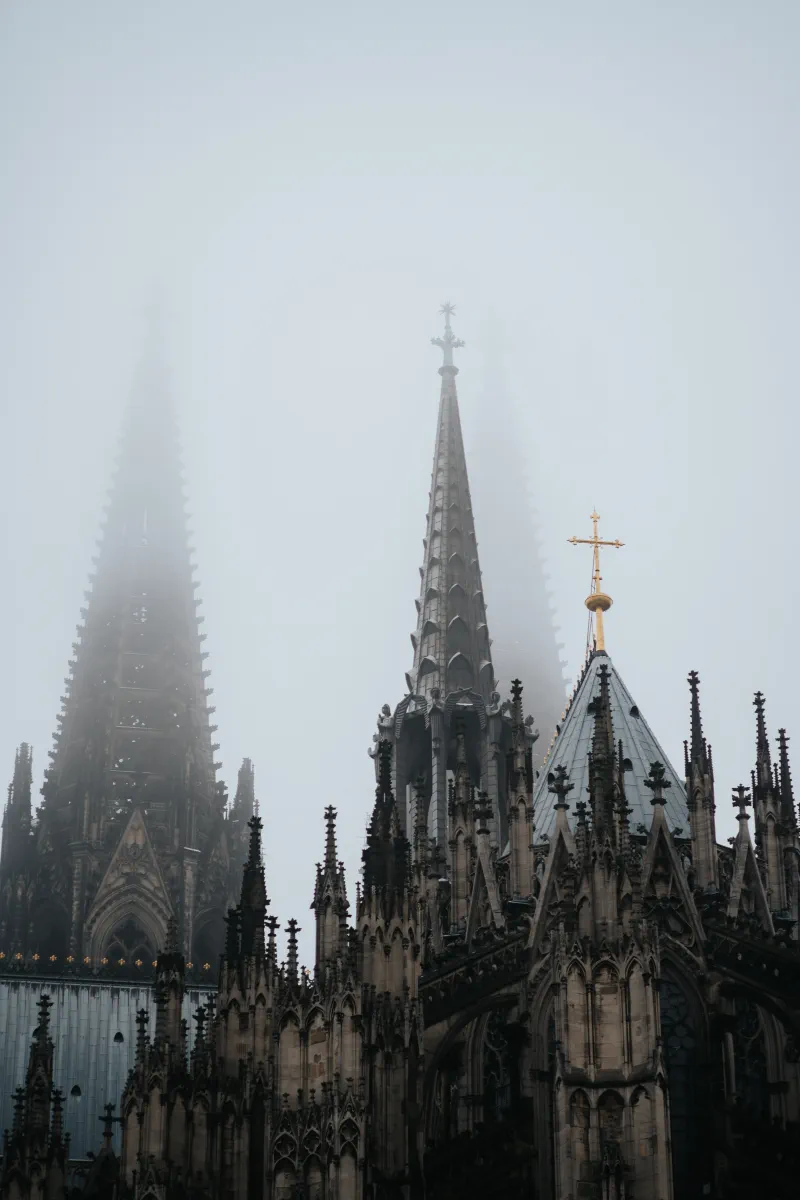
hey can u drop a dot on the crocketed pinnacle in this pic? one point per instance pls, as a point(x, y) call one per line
point(292, 961)
point(330, 838)
point(601, 786)
point(451, 643)
point(763, 757)
point(17, 816)
point(253, 905)
point(697, 751)
point(386, 857)
point(788, 811)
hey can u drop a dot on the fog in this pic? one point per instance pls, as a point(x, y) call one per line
point(607, 193)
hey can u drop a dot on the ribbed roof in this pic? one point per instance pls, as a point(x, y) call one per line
point(640, 748)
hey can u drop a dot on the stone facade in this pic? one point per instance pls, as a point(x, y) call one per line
point(551, 983)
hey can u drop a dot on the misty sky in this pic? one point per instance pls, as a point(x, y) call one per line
point(608, 193)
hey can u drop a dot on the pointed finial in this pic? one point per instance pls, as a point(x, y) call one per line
point(109, 1120)
point(762, 741)
point(558, 783)
point(603, 733)
point(254, 850)
point(598, 602)
point(449, 342)
point(697, 743)
point(272, 927)
point(788, 811)
point(43, 1028)
point(656, 782)
point(741, 800)
point(291, 954)
point(330, 837)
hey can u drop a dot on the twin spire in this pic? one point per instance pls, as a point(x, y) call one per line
point(451, 642)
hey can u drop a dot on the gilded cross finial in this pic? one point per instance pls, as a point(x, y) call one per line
point(449, 342)
point(598, 602)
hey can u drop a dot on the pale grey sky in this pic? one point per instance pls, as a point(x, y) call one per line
point(612, 186)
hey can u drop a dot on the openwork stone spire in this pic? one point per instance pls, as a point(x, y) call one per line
point(451, 644)
point(133, 773)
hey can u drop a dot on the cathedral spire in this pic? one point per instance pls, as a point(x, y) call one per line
point(451, 645)
point(134, 735)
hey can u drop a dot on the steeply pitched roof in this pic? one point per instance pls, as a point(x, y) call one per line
point(639, 747)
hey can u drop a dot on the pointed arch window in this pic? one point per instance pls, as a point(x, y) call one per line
point(750, 1060)
point(496, 1064)
point(689, 1106)
point(129, 942)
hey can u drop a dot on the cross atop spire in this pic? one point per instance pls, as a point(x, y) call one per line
point(598, 601)
point(449, 342)
point(741, 800)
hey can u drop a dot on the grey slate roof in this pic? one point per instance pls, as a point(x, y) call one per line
point(639, 746)
point(85, 1021)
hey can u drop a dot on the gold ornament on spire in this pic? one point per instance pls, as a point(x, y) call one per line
point(598, 601)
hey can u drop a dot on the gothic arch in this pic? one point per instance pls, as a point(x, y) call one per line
point(684, 1037)
point(152, 923)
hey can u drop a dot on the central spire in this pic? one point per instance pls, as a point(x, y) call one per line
point(451, 644)
point(451, 685)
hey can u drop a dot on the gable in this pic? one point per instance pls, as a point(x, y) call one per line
point(132, 887)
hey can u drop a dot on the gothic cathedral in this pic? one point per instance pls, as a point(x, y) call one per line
point(551, 981)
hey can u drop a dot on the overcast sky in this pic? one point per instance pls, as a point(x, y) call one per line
point(611, 189)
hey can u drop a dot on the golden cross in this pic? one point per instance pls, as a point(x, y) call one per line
point(598, 602)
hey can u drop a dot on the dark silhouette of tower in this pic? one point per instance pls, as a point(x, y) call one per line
point(133, 829)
